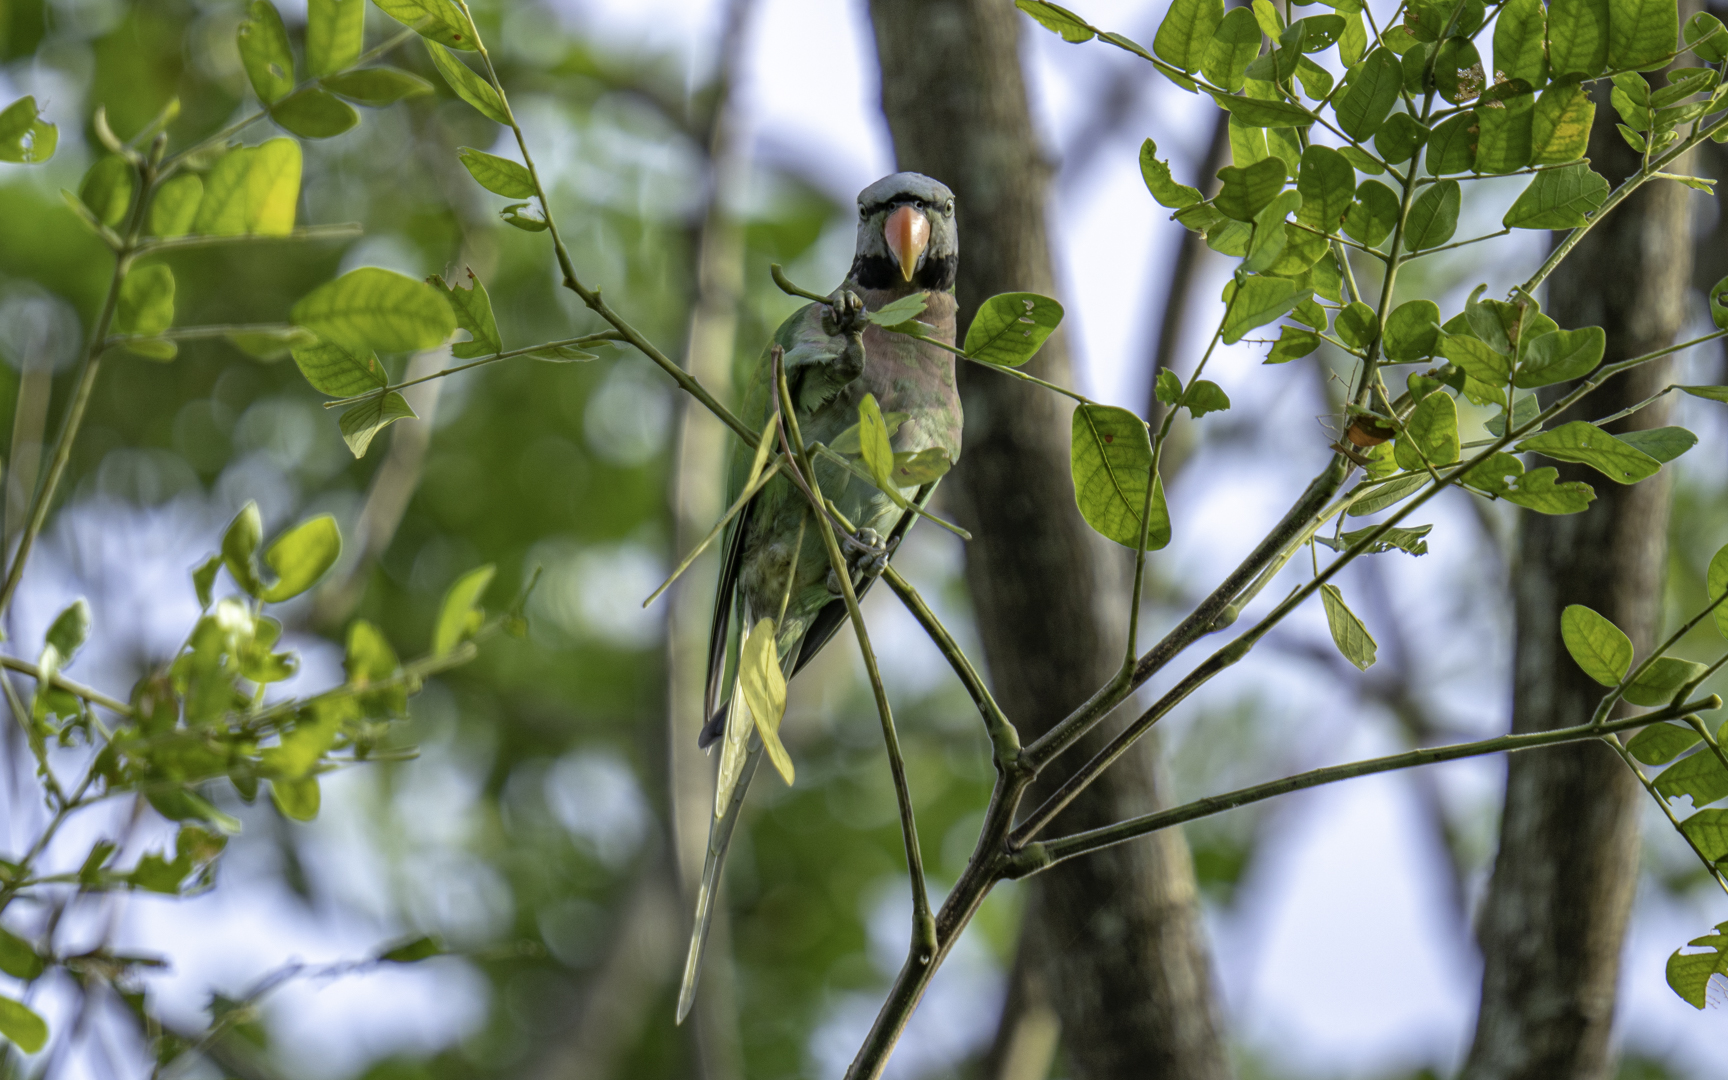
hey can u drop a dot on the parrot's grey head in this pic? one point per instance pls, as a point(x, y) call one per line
point(906, 235)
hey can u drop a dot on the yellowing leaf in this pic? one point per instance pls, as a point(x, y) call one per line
point(764, 688)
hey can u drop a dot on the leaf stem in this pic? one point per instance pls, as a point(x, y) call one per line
point(341, 231)
point(586, 339)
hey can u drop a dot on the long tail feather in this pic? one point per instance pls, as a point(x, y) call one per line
point(719, 838)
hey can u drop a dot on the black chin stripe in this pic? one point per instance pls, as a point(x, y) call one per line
point(882, 272)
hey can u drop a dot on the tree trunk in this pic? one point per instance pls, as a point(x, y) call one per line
point(1552, 922)
point(1120, 931)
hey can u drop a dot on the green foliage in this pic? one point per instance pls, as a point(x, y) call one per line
point(1659, 744)
point(1558, 199)
point(436, 20)
point(1597, 646)
point(25, 138)
point(1589, 445)
point(498, 175)
point(470, 87)
point(335, 35)
point(1010, 328)
point(1160, 183)
point(375, 309)
point(19, 1023)
point(265, 52)
point(1186, 32)
point(1348, 631)
point(251, 191)
point(312, 113)
point(1111, 461)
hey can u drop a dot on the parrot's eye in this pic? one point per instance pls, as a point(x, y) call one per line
point(948, 208)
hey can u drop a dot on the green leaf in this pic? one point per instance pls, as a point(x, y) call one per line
point(1560, 355)
point(70, 629)
point(764, 691)
point(1205, 397)
point(1110, 458)
point(524, 216)
point(376, 87)
point(25, 138)
point(874, 447)
point(1539, 490)
point(373, 308)
point(298, 800)
point(146, 304)
point(314, 114)
point(20, 1023)
point(1010, 328)
point(473, 310)
point(1452, 147)
point(17, 958)
point(436, 20)
point(1348, 633)
point(1560, 128)
point(1433, 216)
point(1659, 744)
point(1361, 160)
point(1701, 777)
point(1601, 649)
point(1589, 445)
point(1357, 325)
point(1708, 393)
point(240, 548)
point(1292, 344)
point(369, 658)
point(413, 950)
point(1506, 136)
point(1412, 331)
point(900, 311)
point(1270, 22)
point(1662, 680)
point(333, 370)
point(1057, 19)
point(1708, 829)
point(1168, 387)
point(1372, 216)
point(1256, 302)
point(175, 206)
point(264, 52)
point(107, 189)
point(1411, 541)
point(1558, 199)
point(1689, 974)
point(1160, 183)
point(1234, 45)
point(1663, 443)
point(469, 86)
point(1578, 37)
point(1433, 430)
point(1373, 89)
point(1716, 583)
point(1519, 33)
point(335, 34)
point(1642, 33)
point(1327, 185)
point(1229, 237)
point(915, 469)
point(301, 556)
point(1707, 38)
point(204, 579)
point(361, 422)
point(1458, 71)
point(561, 354)
point(252, 190)
point(1316, 80)
point(1718, 298)
point(1385, 495)
point(1186, 31)
point(1258, 113)
point(1400, 137)
point(1249, 190)
point(460, 615)
point(498, 175)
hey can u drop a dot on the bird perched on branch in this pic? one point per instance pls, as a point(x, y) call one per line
point(775, 576)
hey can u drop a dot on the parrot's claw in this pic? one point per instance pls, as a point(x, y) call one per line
point(867, 557)
point(845, 315)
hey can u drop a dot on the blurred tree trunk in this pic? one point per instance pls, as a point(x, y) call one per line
point(1552, 923)
point(1116, 937)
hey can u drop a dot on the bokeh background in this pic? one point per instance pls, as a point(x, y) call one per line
point(533, 833)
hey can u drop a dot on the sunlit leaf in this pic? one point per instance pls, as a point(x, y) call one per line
point(764, 689)
point(376, 87)
point(175, 206)
point(1057, 19)
point(1186, 32)
point(25, 138)
point(146, 304)
point(1348, 631)
point(1641, 33)
point(460, 615)
point(469, 86)
point(1234, 45)
point(265, 53)
point(361, 422)
point(473, 309)
point(1362, 106)
point(1663, 443)
point(335, 35)
point(19, 1023)
point(107, 189)
point(436, 20)
point(1160, 183)
point(1432, 437)
point(301, 556)
point(312, 113)
point(1600, 648)
point(1588, 444)
point(333, 370)
point(1560, 128)
point(1257, 301)
point(1659, 744)
point(373, 308)
point(298, 800)
point(1689, 974)
point(1010, 328)
point(1412, 331)
point(1662, 680)
point(17, 957)
point(1110, 459)
point(1519, 33)
point(498, 175)
point(1433, 217)
point(252, 190)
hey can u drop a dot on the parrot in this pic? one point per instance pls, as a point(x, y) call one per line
point(774, 563)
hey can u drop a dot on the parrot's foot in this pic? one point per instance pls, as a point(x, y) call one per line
point(845, 315)
point(865, 560)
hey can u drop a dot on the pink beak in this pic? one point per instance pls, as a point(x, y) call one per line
point(908, 234)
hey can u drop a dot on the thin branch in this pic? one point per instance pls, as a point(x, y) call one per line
point(343, 231)
point(1461, 243)
point(586, 339)
point(1045, 854)
point(78, 690)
